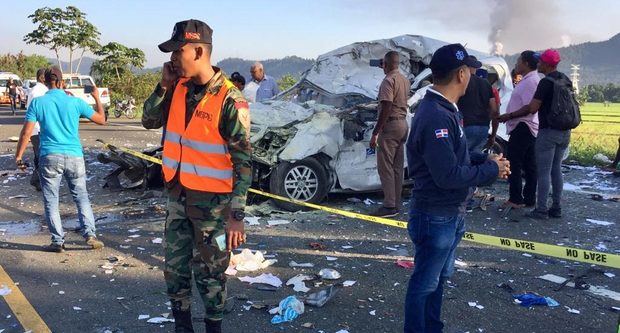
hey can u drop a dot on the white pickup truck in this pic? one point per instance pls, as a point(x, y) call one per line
point(74, 86)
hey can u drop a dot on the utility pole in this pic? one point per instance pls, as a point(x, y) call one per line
point(574, 76)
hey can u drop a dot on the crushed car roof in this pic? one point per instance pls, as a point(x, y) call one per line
point(346, 70)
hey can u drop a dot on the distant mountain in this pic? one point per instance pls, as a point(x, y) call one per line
point(273, 67)
point(87, 62)
point(276, 68)
point(599, 61)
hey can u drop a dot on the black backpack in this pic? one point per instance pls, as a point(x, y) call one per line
point(564, 112)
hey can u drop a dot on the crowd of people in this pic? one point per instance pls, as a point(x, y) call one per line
point(207, 160)
point(448, 156)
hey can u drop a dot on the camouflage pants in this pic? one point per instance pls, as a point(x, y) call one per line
point(191, 232)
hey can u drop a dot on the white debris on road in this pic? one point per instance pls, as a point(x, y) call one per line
point(160, 320)
point(272, 223)
point(267, 278)
point(252, 220)
point(298, 282)
point(302, 265)
point(599, 222)
point(246, 261)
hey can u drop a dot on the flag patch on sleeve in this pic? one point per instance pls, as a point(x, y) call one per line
point(441, 133)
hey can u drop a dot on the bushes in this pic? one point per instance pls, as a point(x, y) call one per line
point(138, 86)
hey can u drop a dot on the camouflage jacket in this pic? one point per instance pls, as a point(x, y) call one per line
point(234, 127)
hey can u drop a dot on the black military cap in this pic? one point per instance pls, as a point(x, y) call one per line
point(450, 57)
point(190, 31)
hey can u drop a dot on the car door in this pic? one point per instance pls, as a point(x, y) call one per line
point(356, 164)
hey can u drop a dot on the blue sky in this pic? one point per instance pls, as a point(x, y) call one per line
point(273, 29)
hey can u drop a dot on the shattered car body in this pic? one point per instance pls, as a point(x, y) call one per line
point(314, 138)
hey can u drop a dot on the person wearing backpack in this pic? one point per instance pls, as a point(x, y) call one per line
point(558, 114)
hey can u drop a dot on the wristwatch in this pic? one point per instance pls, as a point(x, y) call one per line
point(238, 215)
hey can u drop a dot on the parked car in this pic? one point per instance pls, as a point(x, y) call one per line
point(74, 86)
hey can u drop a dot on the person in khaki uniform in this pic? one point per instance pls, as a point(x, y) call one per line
point(390, 134)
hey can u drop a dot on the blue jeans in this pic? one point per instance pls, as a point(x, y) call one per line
point(550, 147)
point(52, 168)
point(435, 239)
point(476, 137)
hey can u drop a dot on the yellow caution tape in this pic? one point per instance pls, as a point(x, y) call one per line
point(569, 253)
point(131, 152)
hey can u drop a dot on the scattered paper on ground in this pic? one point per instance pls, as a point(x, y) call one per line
point(267, 278)
point(599, 222)
point(246, 261)
point(272, 223)
point(298, 282)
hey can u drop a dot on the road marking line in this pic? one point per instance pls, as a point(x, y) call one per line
point(22, 309)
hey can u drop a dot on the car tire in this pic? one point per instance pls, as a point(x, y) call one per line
point(306, 180)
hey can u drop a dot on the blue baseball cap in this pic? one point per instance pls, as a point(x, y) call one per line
point(450, 57)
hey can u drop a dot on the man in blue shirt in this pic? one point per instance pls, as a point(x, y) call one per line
point(267, 86)
point(438, 160)
point(61, 154)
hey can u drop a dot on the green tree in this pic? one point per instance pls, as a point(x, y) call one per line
point(583, 97)
point(286, 81)
point(595, 93)
point(58, 29)
point(25, 66)
point(138, 86)
point(117, 60)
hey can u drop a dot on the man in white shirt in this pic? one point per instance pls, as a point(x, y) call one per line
point(249, 91)
point(39, 89)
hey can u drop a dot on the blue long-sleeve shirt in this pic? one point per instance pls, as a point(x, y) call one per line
point(267, 88)
point(438, 159)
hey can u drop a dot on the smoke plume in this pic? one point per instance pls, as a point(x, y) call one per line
point(518, 25)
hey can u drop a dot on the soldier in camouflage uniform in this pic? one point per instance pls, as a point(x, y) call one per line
point(197, 221)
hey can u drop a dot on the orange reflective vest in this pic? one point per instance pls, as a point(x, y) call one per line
point(198, 153)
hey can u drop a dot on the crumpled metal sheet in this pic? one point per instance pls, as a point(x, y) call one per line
point(321, 134)
point(346, 70)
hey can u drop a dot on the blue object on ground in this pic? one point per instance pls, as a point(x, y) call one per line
point(290, 308)
point(530, 299)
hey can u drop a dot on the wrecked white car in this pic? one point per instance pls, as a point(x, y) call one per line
point(313, 139)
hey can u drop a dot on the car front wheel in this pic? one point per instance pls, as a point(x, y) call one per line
point(304, 180)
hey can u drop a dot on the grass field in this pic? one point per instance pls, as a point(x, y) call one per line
point(598, 133)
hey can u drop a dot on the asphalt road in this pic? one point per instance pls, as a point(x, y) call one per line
point(73, 293)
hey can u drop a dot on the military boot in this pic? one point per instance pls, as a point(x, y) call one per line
point(213, 326)
point(182, 321)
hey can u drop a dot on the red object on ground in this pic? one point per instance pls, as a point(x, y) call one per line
point(317, 246)
point(404, 263)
